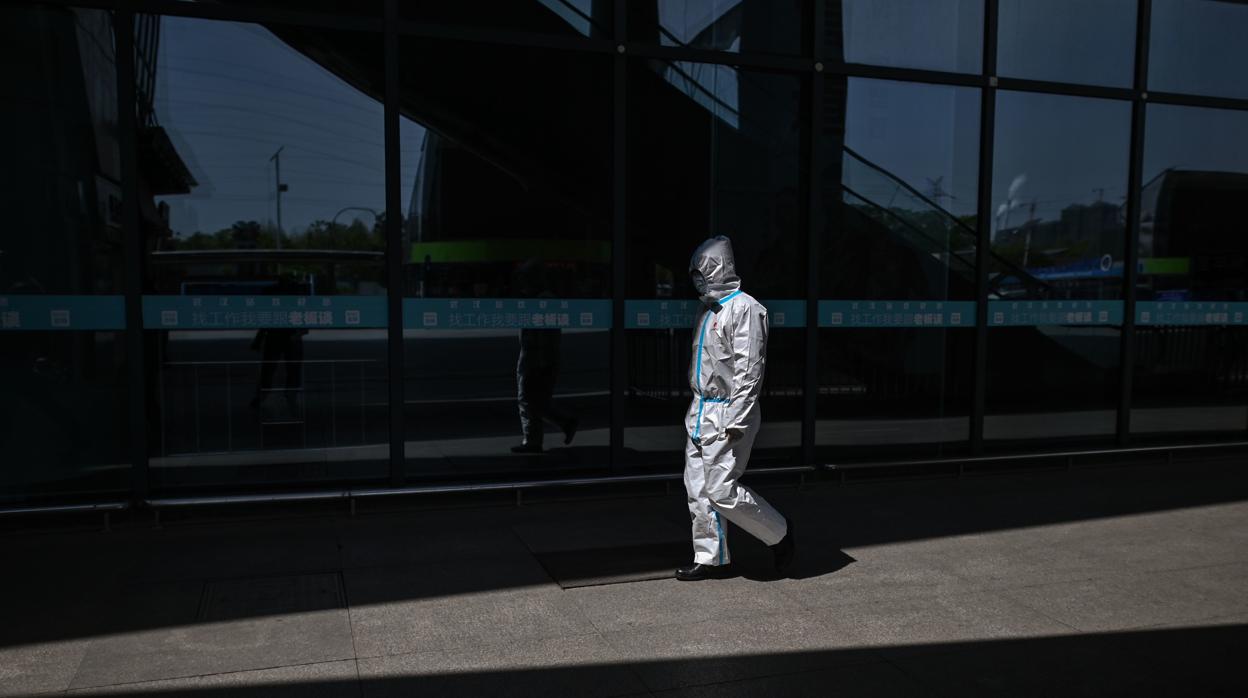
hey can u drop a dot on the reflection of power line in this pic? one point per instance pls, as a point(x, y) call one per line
point(304, 152)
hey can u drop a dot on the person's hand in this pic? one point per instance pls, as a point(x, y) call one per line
point(734, 434)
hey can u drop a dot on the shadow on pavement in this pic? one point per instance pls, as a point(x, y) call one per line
point(1177, 662)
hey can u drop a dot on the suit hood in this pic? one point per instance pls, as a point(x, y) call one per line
point(714, 260)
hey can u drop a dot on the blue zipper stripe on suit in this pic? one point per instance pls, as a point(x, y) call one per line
point(697, 428)
point(719, 529)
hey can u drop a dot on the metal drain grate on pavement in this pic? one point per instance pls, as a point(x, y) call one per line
point(231, 599)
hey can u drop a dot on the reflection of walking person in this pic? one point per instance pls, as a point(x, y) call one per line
point(729, 356)
point(284, 345)
point(536, 373)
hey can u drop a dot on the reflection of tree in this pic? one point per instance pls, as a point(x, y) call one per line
point(320, 235)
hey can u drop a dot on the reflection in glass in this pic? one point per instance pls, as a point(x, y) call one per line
point(711, 155)
point(899, 196)
point(1192, 378)
point(1192, 247)
point(63, 397)
point(507, 201)
point(62, 231)
point(737, 26)
point(63, 414)
point(898, 192)
point(1197, 47)
point(931, 34)
point(1059, 196)
point(266, 180)
point(1084, 41)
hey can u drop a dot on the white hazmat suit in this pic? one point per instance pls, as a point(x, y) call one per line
point(729, 357)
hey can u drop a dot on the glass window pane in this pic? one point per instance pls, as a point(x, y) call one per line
point(572, 18)
point(900, 218)
point(1058, 197)
point(898, 191)
point(1197, 47)
point(265, 253)
point(712, 150)
point(64, 428)
point(931, 34)
point(62, 232)
point(737, 26)
point(1191, 344)
point(1054, 314)
point(1083, 41)
point(507, 268)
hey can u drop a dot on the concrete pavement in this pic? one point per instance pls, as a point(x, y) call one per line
point(1100, 581)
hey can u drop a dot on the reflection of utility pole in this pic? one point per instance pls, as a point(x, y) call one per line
point(1100, 194)
point(277, 178)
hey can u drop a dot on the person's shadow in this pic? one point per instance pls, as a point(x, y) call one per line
point(813, 557)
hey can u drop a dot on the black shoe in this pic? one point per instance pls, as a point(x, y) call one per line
point(569, 430)
point(526, 447)
point(697, 572)
point(783, 551)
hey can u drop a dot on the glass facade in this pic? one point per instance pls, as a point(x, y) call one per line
point(243, 230)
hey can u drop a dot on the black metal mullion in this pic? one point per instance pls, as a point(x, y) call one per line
point(394, 248)
point(987, 128)
point(1135, 171)
point(136, 366)
point(1065, 88)
point(814, 130)
point(619, 241)
point(1185, 100)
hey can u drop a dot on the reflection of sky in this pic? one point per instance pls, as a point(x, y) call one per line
point(230, 95)
point(1068, 150)
point(1198, 47)
point(1085, 41)
point(932, 34)
point(926, 135)
point(1189, 138)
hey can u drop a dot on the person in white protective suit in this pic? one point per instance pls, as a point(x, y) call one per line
point(729, 357)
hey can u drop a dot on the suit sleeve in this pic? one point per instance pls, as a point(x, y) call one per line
point(749, 355)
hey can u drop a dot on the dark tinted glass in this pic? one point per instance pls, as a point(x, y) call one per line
point(738, 26)
point(1058, 196)
point(712, 150)
point(507, 242)
point(1084, 41)
point(62, 196)
point(1059, 178)
point(63, 363)
point(932, 34)
point(1198, 47)
point(264, 250)
point(897, 189)
point(587, 18)
point(1193, 283)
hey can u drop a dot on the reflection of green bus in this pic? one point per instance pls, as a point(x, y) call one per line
point(1194, 236)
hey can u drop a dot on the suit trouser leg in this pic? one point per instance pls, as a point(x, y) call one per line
point(724, 461)
point(710, 541)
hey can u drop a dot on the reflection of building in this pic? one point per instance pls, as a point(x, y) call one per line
point(1194, 234)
